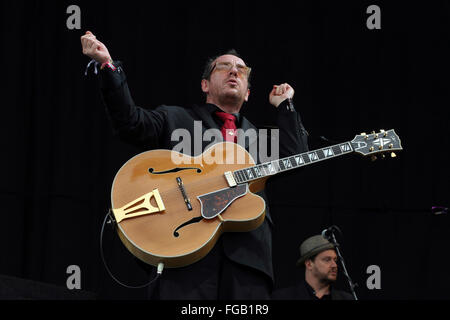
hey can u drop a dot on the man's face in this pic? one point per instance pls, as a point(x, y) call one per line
point(228, 82)
point(324, 267)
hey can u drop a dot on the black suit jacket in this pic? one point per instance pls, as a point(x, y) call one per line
point(153, 129)
point(303, 291)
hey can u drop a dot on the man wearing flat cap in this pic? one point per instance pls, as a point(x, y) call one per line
point(318, 257)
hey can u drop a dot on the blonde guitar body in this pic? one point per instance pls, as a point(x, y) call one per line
point(172, 208)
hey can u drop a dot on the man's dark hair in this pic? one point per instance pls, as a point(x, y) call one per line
point(207, 70)
point(312, 258)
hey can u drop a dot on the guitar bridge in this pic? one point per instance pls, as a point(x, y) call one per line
point(139, 207)
point(183, 192)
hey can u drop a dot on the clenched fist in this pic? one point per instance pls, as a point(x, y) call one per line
point(94, 48)
point(280, 93)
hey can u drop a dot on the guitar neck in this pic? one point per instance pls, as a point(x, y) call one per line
point(292, 162)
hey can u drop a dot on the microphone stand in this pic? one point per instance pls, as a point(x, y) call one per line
point(332, 239)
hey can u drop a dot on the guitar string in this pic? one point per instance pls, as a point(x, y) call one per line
point(205, 180)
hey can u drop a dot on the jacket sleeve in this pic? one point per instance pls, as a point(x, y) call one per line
point(133, 124)
point(293, 136)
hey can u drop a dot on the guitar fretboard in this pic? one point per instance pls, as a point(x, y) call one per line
point(292, 162)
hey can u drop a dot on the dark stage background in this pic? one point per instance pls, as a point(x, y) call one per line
point(60, 156)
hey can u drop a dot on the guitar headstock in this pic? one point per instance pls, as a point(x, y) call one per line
point(377, 143)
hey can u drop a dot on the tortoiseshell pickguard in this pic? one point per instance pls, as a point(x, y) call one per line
point(216, 202)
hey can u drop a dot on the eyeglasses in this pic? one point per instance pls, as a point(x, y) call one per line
point(227, 66)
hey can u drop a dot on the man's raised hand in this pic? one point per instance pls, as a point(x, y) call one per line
point(280, 93)
point(94, 49)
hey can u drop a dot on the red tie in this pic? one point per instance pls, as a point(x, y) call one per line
point(229, 126)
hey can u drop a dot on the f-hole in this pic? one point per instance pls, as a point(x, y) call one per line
point(193, 220)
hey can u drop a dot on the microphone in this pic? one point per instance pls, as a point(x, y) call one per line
point(327, 233)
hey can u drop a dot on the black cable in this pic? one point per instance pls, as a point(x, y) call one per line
point(160, 266)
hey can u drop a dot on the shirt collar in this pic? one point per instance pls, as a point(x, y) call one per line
point(212, 108)
point(312, 292)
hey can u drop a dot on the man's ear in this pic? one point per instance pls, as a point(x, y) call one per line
point(205, 85)
point(246, 96)
point(308, 264)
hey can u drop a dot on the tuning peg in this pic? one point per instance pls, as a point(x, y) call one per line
point(373, 158)
point(393, 155)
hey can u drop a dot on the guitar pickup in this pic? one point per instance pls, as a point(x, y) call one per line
point(183, 193)
point(230, 179)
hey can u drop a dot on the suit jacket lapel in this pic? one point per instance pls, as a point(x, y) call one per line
point(250, 138)
point(204, 114)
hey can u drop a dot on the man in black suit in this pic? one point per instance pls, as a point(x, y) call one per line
point(319, 259)
point(240, 264)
